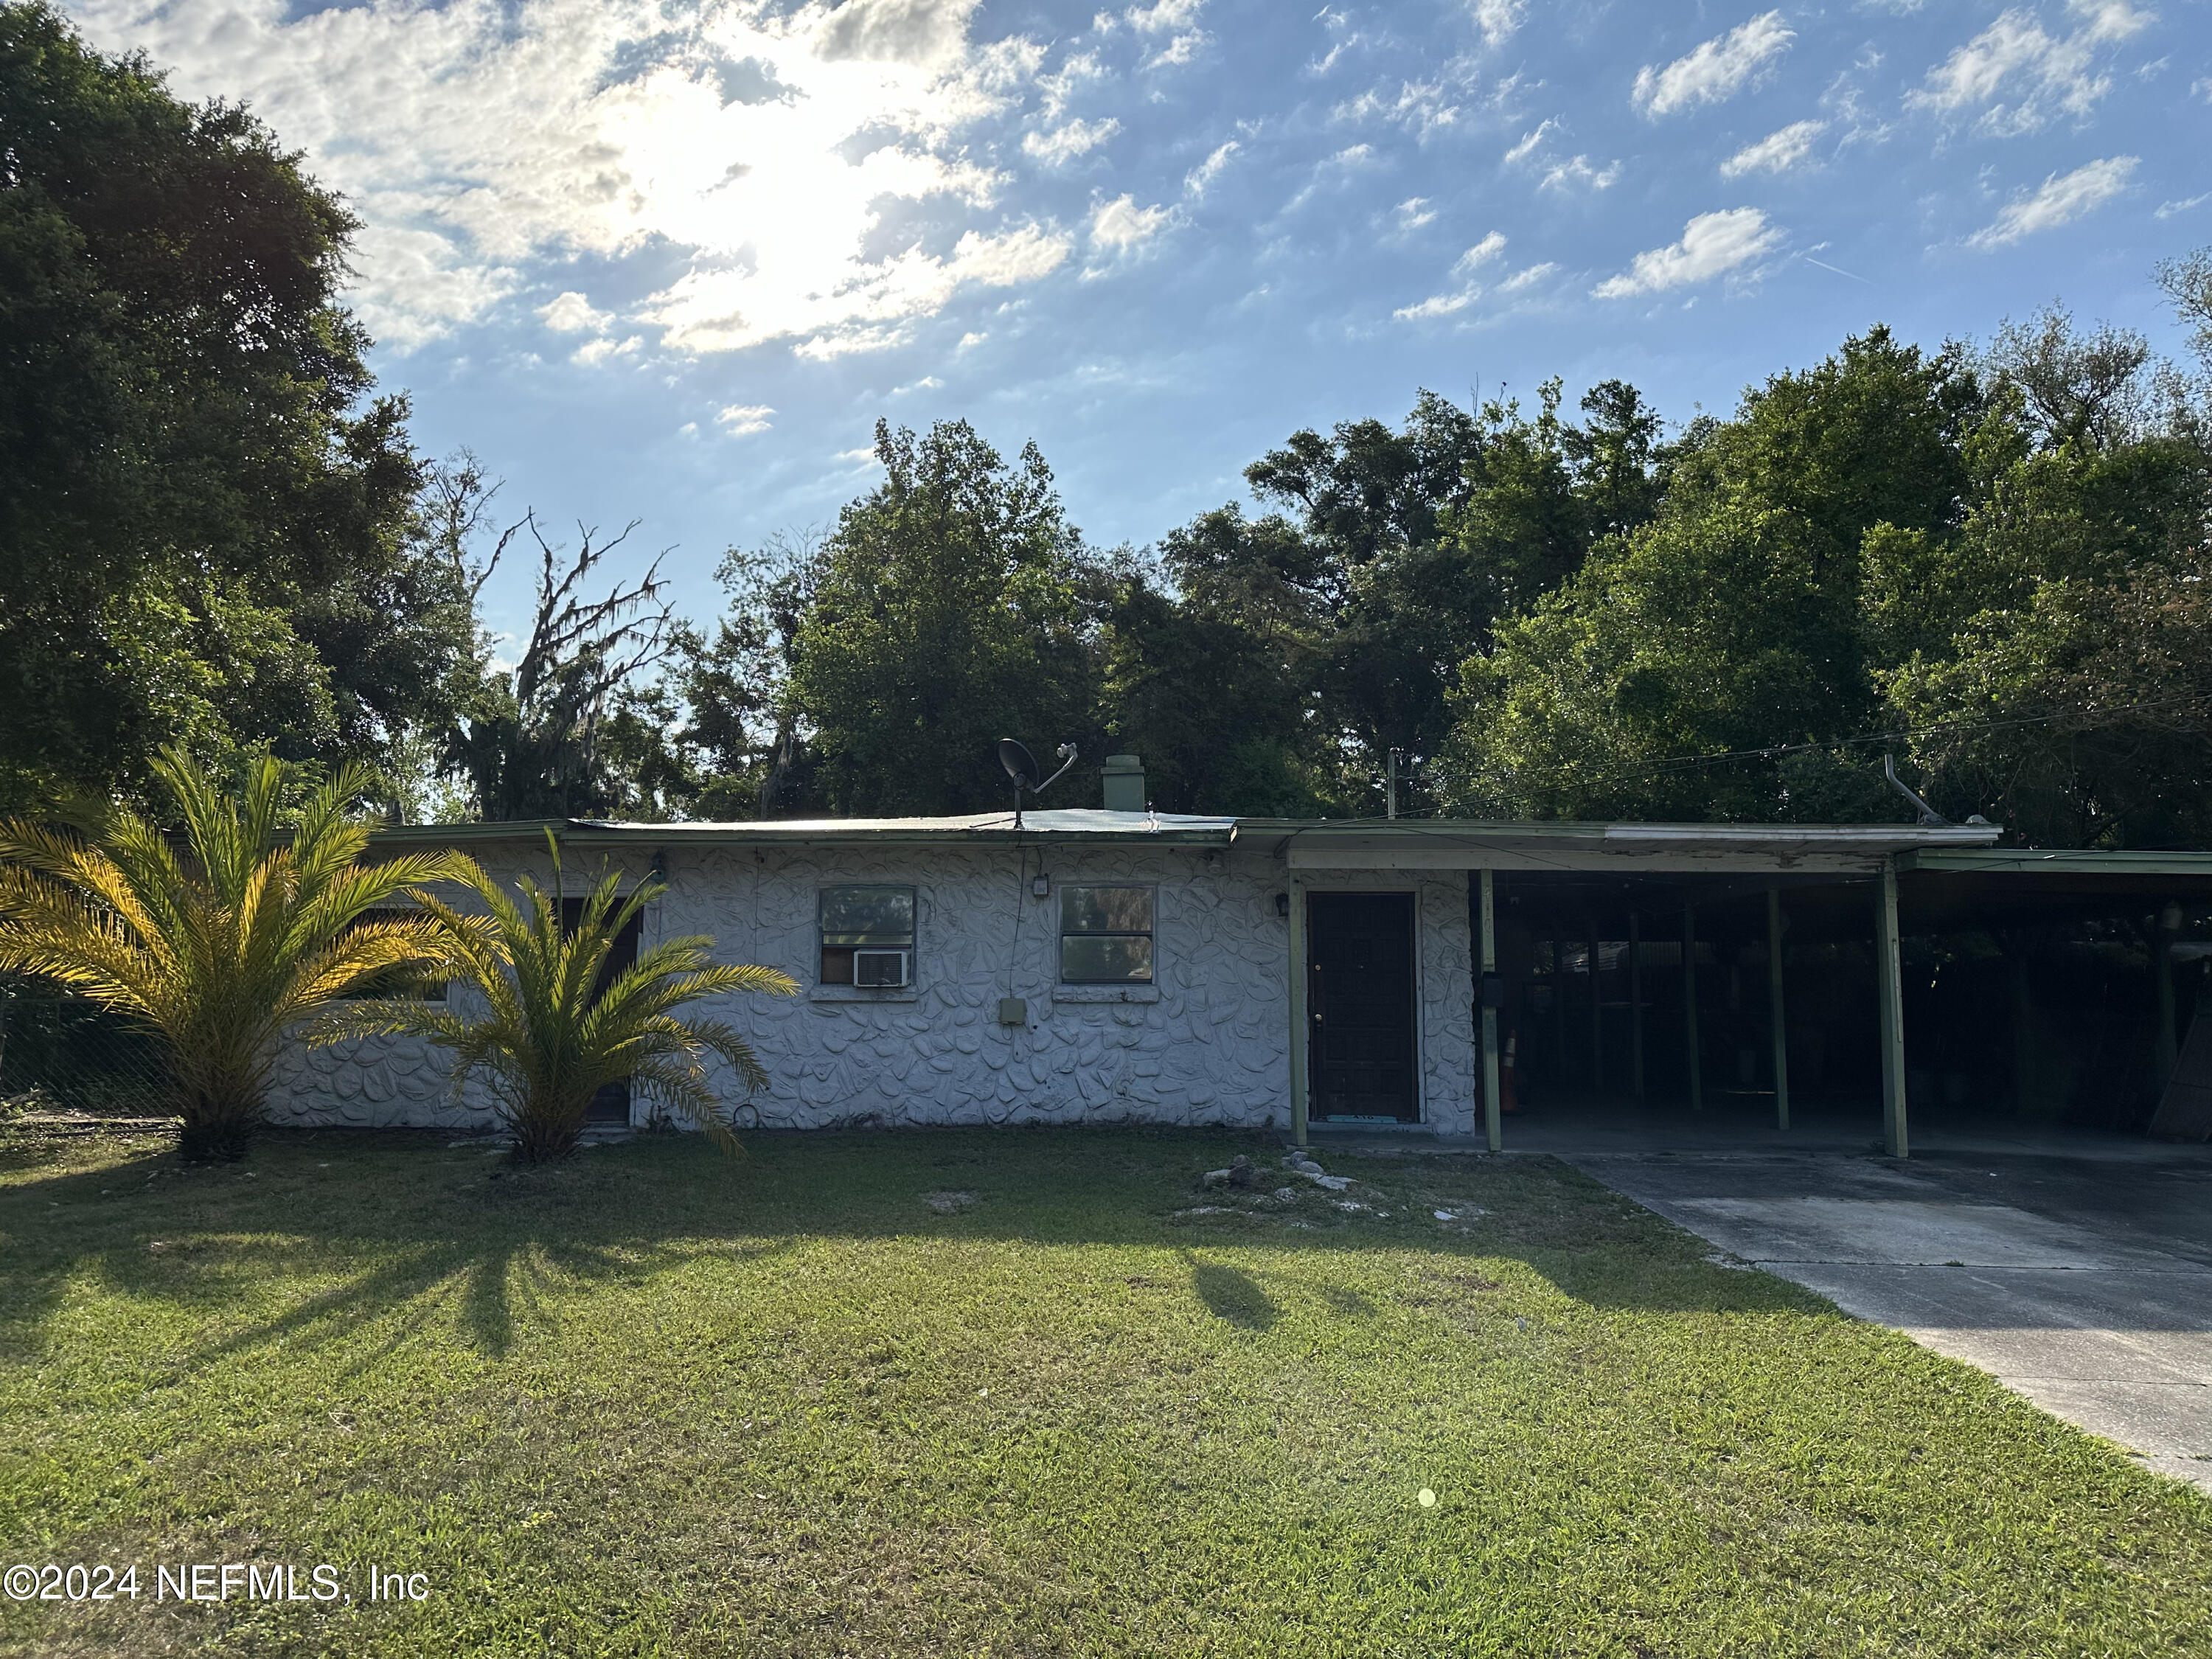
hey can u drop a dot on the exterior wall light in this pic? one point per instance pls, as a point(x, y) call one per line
point(1283, 906)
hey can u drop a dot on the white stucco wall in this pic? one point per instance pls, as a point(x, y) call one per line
point(1207, 1044)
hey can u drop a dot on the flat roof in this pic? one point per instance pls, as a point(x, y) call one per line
point(1062, 824)
point(1306, 844)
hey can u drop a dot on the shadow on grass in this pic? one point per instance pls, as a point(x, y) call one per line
point(1230, 1293)
point(388, 1235)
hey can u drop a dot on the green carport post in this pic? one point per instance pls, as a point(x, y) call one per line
point(1775, 1018)
point(1889, 988)
point(1493, 1121)
point(1690, 1006)
point(1300, 1034)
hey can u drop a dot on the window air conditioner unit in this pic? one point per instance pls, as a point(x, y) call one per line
point(879, 970)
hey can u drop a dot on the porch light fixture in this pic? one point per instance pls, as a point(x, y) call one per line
point(1283, 906)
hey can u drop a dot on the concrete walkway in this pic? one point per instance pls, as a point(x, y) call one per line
point(2082, 1281)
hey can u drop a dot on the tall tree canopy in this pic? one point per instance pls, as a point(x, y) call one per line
point(1334, 626)
point(1991, 563)
point(1991, 566)
point(951, 605)
point(209, 526)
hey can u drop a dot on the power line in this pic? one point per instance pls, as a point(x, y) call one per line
point(1775, 751)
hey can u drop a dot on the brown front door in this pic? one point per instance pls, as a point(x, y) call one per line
point(612, 1103)
point(1359, 999)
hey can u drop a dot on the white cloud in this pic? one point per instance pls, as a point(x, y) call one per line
point(1577, 173)
point(1459, 299)
point(1438, 305)
point(1716, 70)
point(1066, 144)
point(1414, 212)
point(705, 310)
point(1077, 71)
point(1777, 152)
point(1711, 243)
point(1181, 49)
point(764, 147)
point(2059, 200)
point(1481, 254)
point(1528, 278)
point(1531, 141)
point(2021, 76)
point(1199, 179)
point(1121, 226)
point(2168, 210)
point(1419, 106)
point(572, 313)
point(1164, 16)
point(743, 420)
point(598, 352)
point(1497, 18)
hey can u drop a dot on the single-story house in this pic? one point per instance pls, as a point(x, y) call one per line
point(1080, 965)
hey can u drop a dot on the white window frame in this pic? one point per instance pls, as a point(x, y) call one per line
point(1060, 936)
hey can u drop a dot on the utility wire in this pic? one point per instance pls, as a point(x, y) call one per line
point(1678, 764)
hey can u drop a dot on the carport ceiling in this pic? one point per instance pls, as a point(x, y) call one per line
point(1945, 892)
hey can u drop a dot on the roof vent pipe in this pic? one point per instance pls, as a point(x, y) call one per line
point(1125, 784)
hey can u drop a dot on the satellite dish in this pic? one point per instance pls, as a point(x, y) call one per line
point(1022, 767)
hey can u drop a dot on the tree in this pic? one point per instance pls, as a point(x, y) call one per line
point(1391, 557)
point(252, 933)
point(951, 606)
point(561, 1022)
point(206, 520)
point(742, 736)
point(574, 729)
point(1732, 621)
point(2051, 656)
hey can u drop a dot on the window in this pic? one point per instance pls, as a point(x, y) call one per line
point(392, 982)
point(1106, 935)
point(867, 937)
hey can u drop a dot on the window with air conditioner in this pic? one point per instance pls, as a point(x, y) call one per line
point(867, 936)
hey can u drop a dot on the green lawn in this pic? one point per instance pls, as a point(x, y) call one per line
point(658, 1401)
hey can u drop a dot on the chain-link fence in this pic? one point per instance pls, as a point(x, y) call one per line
point(59, 1053)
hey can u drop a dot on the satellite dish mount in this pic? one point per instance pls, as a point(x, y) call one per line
point(1022, 767)
point(1929, 818)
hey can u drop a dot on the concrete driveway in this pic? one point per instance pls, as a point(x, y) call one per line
point(2084, 1283)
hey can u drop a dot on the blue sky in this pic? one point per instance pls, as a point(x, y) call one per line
point(671, 261)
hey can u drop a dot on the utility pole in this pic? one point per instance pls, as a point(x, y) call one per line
point(1390, 784)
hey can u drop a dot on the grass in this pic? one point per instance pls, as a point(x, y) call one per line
point(998, 1393)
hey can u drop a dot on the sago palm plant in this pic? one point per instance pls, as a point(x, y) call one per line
point(249, 931)
point(560, 1023)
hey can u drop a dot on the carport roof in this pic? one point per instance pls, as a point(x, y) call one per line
point(1614, 848)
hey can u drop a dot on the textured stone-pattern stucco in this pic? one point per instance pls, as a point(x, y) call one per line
point(1207, 1044)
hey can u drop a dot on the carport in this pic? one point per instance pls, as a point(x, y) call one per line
point(1693, 971)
